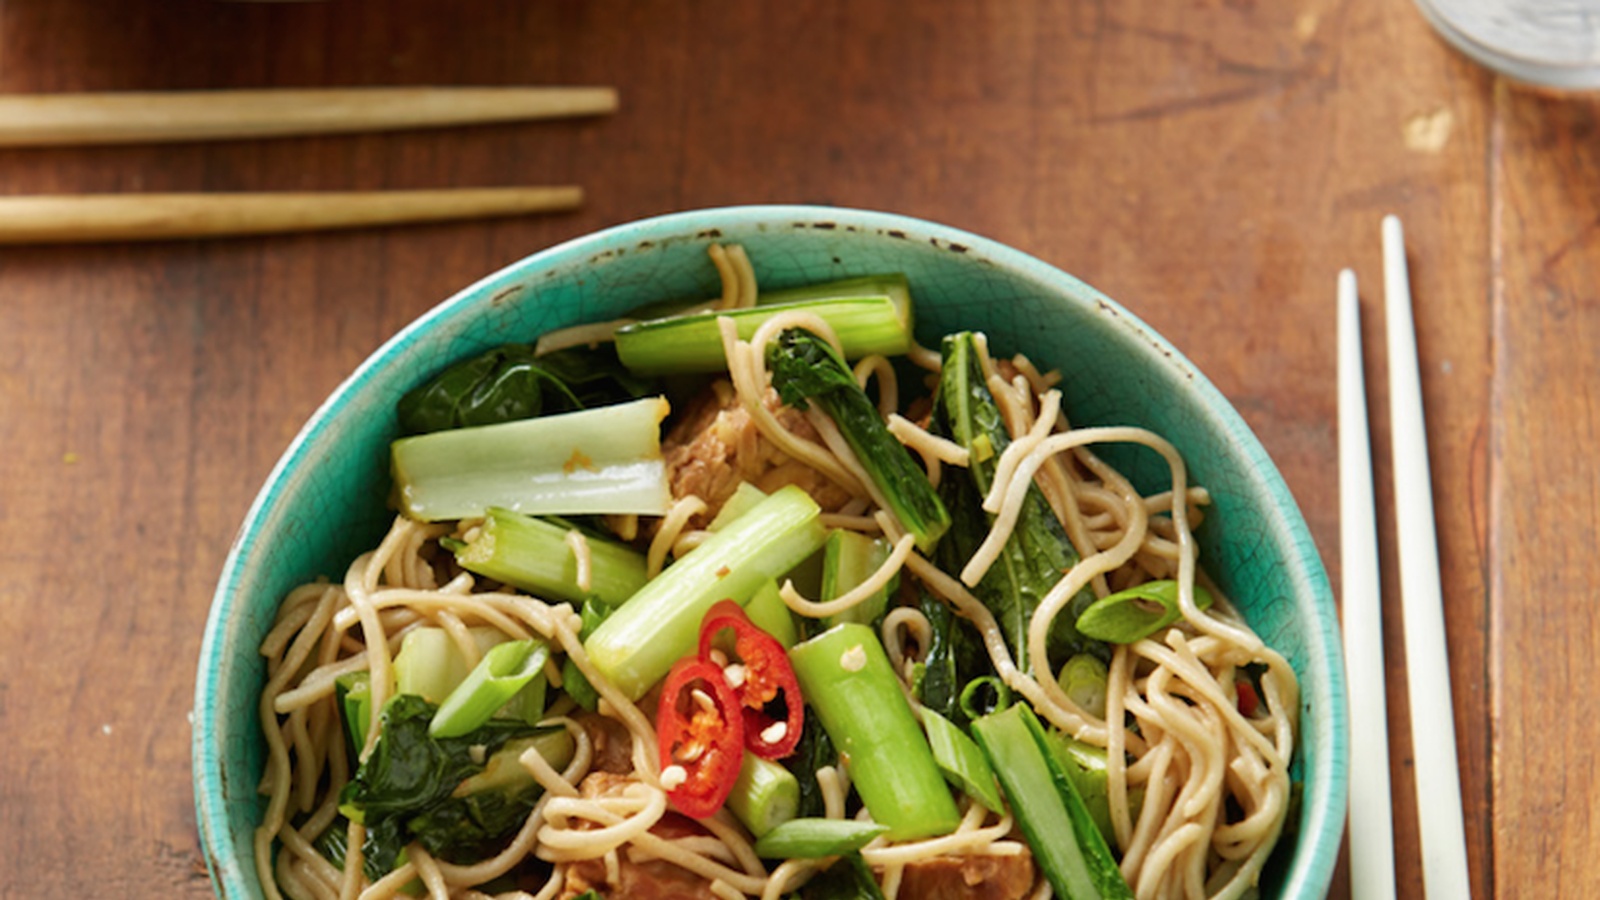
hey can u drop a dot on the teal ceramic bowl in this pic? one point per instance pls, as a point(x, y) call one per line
point(324, 503)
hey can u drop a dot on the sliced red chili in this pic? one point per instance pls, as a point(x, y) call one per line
point(767, 689)
point(1248, 701)
point(701, 736)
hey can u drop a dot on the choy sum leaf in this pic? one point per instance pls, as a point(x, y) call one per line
point(509, 383)
point(1038, 552)
point(410, 773)
point(805, 370)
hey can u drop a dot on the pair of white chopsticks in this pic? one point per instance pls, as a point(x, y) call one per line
point(123, 118)
point(1439, 815)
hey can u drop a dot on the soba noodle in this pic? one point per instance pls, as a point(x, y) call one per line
point(1198, 791)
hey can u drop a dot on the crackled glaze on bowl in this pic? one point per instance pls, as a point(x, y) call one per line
point(324, 502)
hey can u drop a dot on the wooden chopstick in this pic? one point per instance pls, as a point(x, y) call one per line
point(1433, 732)
point(120, 118)
point(1371, 801)
point(130, 217)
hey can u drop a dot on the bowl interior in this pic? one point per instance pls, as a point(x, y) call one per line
point(325, 501)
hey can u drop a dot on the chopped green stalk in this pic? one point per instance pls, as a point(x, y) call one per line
point(870, 316)
point(428, 665)
point(1085, 765)
point(1083, 679)
point(744, 498)
point(504, 770)
point(962, 762)
point(806, 370)
point(848, 559)
point(816, 838)
point(503, 672)
point(984, 695)
point(847, 678)
point(892, 285)
point(765, 796)
point(605, 460)
point(1066, 842)
point(354, 693)
point(636, 645)
point(1138, 612)
point(1038, 551)
point(769, 613)
point(533, 554)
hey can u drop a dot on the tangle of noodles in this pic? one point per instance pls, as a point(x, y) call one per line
point(1198, 790)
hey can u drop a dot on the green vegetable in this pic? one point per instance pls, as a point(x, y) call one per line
point(353, 691)
point(637, 644)
point(962, 762)
point(1085, 765)
point(846, 677)
point(954, 657)
point(532, 554)
point(768, 612)
point(504, 671)
point(814, 751)
point(605, 460)
point(848, 559)
point(850, 878)
point(816, 838)
point(573, 681)
point(429, 665)
point(334, 845)
point(1066, 842)
point(410, 772)
point(1083, 679)
point(806, 370)
point(744, 498)
point(869, 316)
point(1038, 551)
point(765, 795)
point(491, 804)
point(984, 695)
point(510, 383)
point(1138, 612)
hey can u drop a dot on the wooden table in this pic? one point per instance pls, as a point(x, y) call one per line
point(1211, 165)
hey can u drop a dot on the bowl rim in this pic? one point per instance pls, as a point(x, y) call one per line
point(1326, 789)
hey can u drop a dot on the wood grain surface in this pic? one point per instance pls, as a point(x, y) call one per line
point(1209, 164)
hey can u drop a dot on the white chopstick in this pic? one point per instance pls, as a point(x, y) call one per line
point(1433, 731)
point(120, 118)
point(1371, 806)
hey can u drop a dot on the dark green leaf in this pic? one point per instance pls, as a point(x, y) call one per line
point(1038, 552)
point(410, 772)
point(805, 370)
point(954, 658)
point(573, 681)
point(814, 751)
point(509, 383)
point(848, 879)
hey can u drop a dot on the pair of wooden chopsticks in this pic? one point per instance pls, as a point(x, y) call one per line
point(123, 118)
point(1439, 816)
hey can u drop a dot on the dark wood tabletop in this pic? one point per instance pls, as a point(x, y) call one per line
point(1211, 165)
